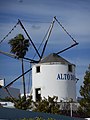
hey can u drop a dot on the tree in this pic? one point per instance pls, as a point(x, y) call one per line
point(20, 102)
point(19, 46)
point(23, 104)
point(84, 108)
point(49, 105)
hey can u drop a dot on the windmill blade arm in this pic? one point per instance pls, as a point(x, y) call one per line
point(9, 32)
point(17, 78)
point(48, 35)
point(9, 54)
point(67, 48)
point(65, 30)
point(16, 57)
point(29, 37)
point(33, 61)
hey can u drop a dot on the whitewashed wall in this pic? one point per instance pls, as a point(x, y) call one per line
point(54, 80)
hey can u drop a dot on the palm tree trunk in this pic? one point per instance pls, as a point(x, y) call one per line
point(23, 78)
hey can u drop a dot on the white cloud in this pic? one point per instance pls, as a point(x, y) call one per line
point(75, 18)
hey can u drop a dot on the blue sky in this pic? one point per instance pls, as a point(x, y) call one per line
point(36, 15)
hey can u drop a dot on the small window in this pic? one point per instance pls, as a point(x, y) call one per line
point(37, 69)
point(70, 68)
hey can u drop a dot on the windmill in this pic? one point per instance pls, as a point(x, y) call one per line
point(40, 55)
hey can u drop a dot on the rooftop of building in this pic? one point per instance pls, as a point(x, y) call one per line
point(53, 57)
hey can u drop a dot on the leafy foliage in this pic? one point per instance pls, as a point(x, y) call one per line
point(19, 45)
point(85, 93)
point(23, 103)
point(47, 105)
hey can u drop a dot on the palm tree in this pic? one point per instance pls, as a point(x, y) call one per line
point(19, 46)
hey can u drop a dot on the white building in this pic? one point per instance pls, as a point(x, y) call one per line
point(53, 76)
point(2, 82)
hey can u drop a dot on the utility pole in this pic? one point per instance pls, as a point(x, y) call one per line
point(71, 110)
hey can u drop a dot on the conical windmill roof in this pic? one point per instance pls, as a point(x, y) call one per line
point(54, 58)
